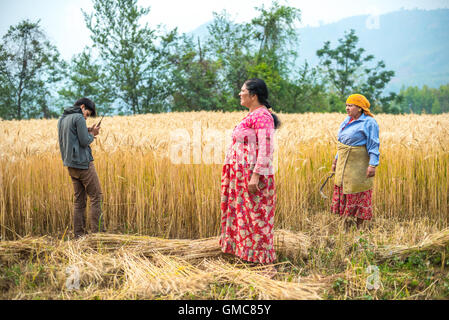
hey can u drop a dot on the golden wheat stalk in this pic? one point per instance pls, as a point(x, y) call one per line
point(434, 242)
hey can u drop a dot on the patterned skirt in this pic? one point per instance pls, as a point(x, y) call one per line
point(357, 205)
point(247, 220)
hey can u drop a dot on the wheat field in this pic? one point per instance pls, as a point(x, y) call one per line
point(147, 192)
point(160, 176)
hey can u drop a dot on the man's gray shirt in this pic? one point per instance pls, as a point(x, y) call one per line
point(74, 139)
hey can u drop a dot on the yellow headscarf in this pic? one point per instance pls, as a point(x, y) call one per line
point(360, 101)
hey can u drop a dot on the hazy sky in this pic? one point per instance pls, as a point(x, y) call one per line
point(64, 24)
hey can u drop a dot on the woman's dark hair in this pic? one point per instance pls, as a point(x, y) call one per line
point(88, 104)
point(259, 88)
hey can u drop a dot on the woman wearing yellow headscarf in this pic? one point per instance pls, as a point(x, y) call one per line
point(356, 161)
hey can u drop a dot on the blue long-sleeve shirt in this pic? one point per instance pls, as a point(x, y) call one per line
point(363, 131)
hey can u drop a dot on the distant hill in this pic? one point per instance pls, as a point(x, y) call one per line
point(413, 43)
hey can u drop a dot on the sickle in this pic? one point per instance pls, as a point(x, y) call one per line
point(324, 184)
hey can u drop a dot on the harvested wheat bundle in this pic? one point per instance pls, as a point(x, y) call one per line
point(172, 277)
point(253, 279)
point(13, 251)
point(287, 243)
point(123, 267)
point(165, 276)
point(292, 244)
point(99, 268)
point(188, 249)
point(433, 242)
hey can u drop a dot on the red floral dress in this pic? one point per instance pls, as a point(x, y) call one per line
point(247, 219)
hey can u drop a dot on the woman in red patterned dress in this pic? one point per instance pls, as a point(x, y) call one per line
point(248, 195)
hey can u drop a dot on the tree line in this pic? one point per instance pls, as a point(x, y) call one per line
point(134, 69)
point(422, 100)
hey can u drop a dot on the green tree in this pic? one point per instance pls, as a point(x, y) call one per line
point(348, 70)
point(85, 77)
point(436, 106)
point(229, 45)
point(134, 56)
point(424, 100)
point(29, 66)
point(275, 32)
point(306, 93)
point(6, 87)
point(410, 101)
point(443, 97)
point(194, 77)
point(257, 49)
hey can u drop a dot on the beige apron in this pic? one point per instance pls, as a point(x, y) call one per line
point(351, 169)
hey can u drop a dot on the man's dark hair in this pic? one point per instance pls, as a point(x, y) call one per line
point(88, 104)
